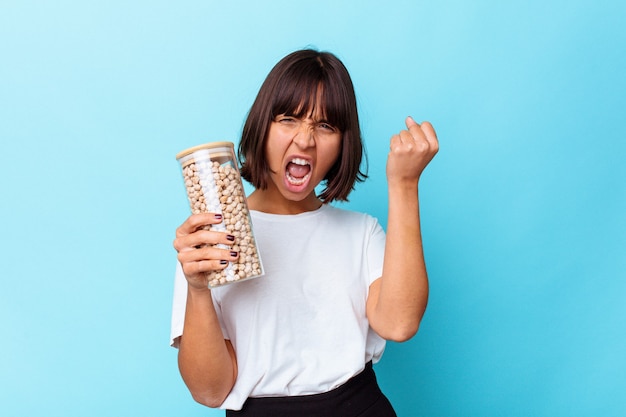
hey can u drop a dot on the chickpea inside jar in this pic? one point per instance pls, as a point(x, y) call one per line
point(214, 185)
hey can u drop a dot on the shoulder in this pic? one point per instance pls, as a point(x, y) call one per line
point(351, 218)
point(348, 214)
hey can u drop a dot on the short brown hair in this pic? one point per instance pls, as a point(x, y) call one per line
point(292, 87)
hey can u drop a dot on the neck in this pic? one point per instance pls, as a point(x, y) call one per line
point(267, 202)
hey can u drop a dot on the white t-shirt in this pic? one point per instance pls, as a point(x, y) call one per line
point(301, 328)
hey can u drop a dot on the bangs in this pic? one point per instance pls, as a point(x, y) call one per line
point(312, 93)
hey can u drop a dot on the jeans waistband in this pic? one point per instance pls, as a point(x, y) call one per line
point(349, 399)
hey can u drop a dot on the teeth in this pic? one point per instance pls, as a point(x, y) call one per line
point(297, 181)
point(299, 161)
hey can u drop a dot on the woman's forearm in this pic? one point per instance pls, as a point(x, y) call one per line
point(206, 361)
point(399, 298)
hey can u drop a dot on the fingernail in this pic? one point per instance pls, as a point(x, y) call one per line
point(218, 216)
point(233, 253)
point(223, 262)
point(230, 237)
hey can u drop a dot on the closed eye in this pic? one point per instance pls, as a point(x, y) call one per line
point(285, 119)
point(327, 127)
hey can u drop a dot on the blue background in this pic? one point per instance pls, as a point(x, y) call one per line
point(523, 209)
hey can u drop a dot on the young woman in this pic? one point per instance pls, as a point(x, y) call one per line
point(301, 340)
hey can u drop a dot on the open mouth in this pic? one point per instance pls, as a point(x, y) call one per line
point(298, 171)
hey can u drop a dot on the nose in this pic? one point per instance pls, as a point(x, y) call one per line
point(305, 136)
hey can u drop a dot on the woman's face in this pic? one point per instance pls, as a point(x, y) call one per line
point(300, 152)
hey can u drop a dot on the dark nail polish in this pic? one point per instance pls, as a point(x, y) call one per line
point(233, 253)
point(218, 216)
point(223, 262)
point(230, 237)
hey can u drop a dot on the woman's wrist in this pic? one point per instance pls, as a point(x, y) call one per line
point(199, 291)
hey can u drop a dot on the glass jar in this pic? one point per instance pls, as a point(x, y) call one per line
point(214, 185)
